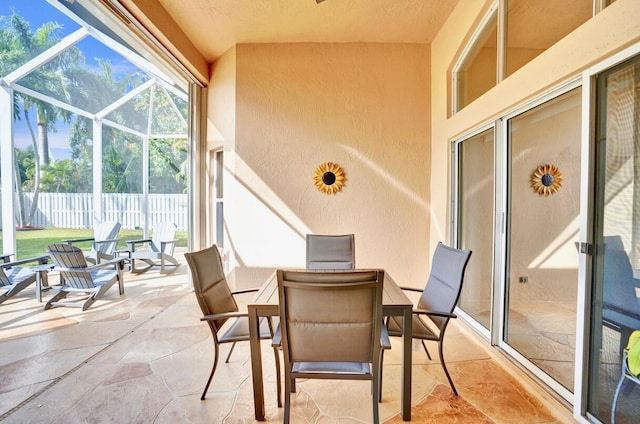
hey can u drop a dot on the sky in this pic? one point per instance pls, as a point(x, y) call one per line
point(38, 12)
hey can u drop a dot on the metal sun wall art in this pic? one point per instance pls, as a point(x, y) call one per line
point(329, 178)
point(546, 180)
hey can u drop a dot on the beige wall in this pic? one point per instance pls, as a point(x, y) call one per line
point(368, 107)
point(363, 106)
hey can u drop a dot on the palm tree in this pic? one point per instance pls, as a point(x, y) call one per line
point(18, 44)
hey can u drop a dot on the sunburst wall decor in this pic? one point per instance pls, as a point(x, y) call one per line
point(329, 178)
point(546, 180)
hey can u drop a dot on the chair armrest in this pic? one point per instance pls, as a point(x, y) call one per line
point(164, 244)
point(132, 243)
point(43, 259)
point(245, 291)
point(412, 289)
point(138, 241)
point(97, 244)
point(434, 313)
point(77, 240)
point(385, 342)
point(5, 257)
point(106, 241)
point(223, 315)
point(106, 264)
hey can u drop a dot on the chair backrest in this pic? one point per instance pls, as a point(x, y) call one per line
point(618, 281)
point(445, 282)
point(68, 256)
point(107, 230)
point(163, 231)
point(331, 251)
point(613, 242)
point(330, 316)
point(209, 283)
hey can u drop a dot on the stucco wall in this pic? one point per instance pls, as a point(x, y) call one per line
point(363, 106)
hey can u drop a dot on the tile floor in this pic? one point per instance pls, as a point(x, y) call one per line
point(144, 358)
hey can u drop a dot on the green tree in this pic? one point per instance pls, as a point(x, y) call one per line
point(18, 44)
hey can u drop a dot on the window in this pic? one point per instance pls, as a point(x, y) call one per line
point(535, 25)
point(475, 73)
point(512, 34)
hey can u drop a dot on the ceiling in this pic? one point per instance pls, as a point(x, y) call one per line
point(214, 26)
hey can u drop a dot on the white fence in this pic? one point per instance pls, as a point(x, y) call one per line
point(75, 210)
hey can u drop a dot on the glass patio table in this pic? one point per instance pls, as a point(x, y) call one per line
point(394, 303)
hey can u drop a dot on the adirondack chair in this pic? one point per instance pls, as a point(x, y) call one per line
point(105, 239)
point(14, 278)
point(158, 250)
point(90, 282)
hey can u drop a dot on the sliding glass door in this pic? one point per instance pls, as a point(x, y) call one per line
point(521, 289)
point(541, 261)
point(615, 309)
point(475, 222)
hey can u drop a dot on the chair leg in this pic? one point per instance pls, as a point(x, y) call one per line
point(379, 388)
point(615, 397)
point(213, 370)
point(425, 349)
point(278, 379)
point(375, 388)
point(444, 367)
point(287, 397)
point(61, 294)
point(120, 279)
point(226, 361)
point(88, 303)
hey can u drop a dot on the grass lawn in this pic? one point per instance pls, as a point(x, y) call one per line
point(34, 242)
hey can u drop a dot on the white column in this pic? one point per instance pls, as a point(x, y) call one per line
point(145, 164)
point(6, 155)
point(97, 172)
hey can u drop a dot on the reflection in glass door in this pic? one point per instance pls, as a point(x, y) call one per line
point(616, 266)
point(475, 222)
point(542, 228)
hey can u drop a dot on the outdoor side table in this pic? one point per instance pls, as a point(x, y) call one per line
point(41, 278)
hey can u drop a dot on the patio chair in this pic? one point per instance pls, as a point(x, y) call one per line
point(220, 310)
point(620, 305)
point(630, 368)
point(104, 241)
point(437, 302)
point(88, 282)
point(330, 325)
point(330, 251)
point(158, 250)
point(14, 278)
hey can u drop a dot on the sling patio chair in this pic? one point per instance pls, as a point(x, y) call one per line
point(326, 252)
point(104, 241)
point(156, 251)
point(87, 283)
point(437, 302)
point(220, 309)
point(330, 327)
point(620, 305)
point(14, 277)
